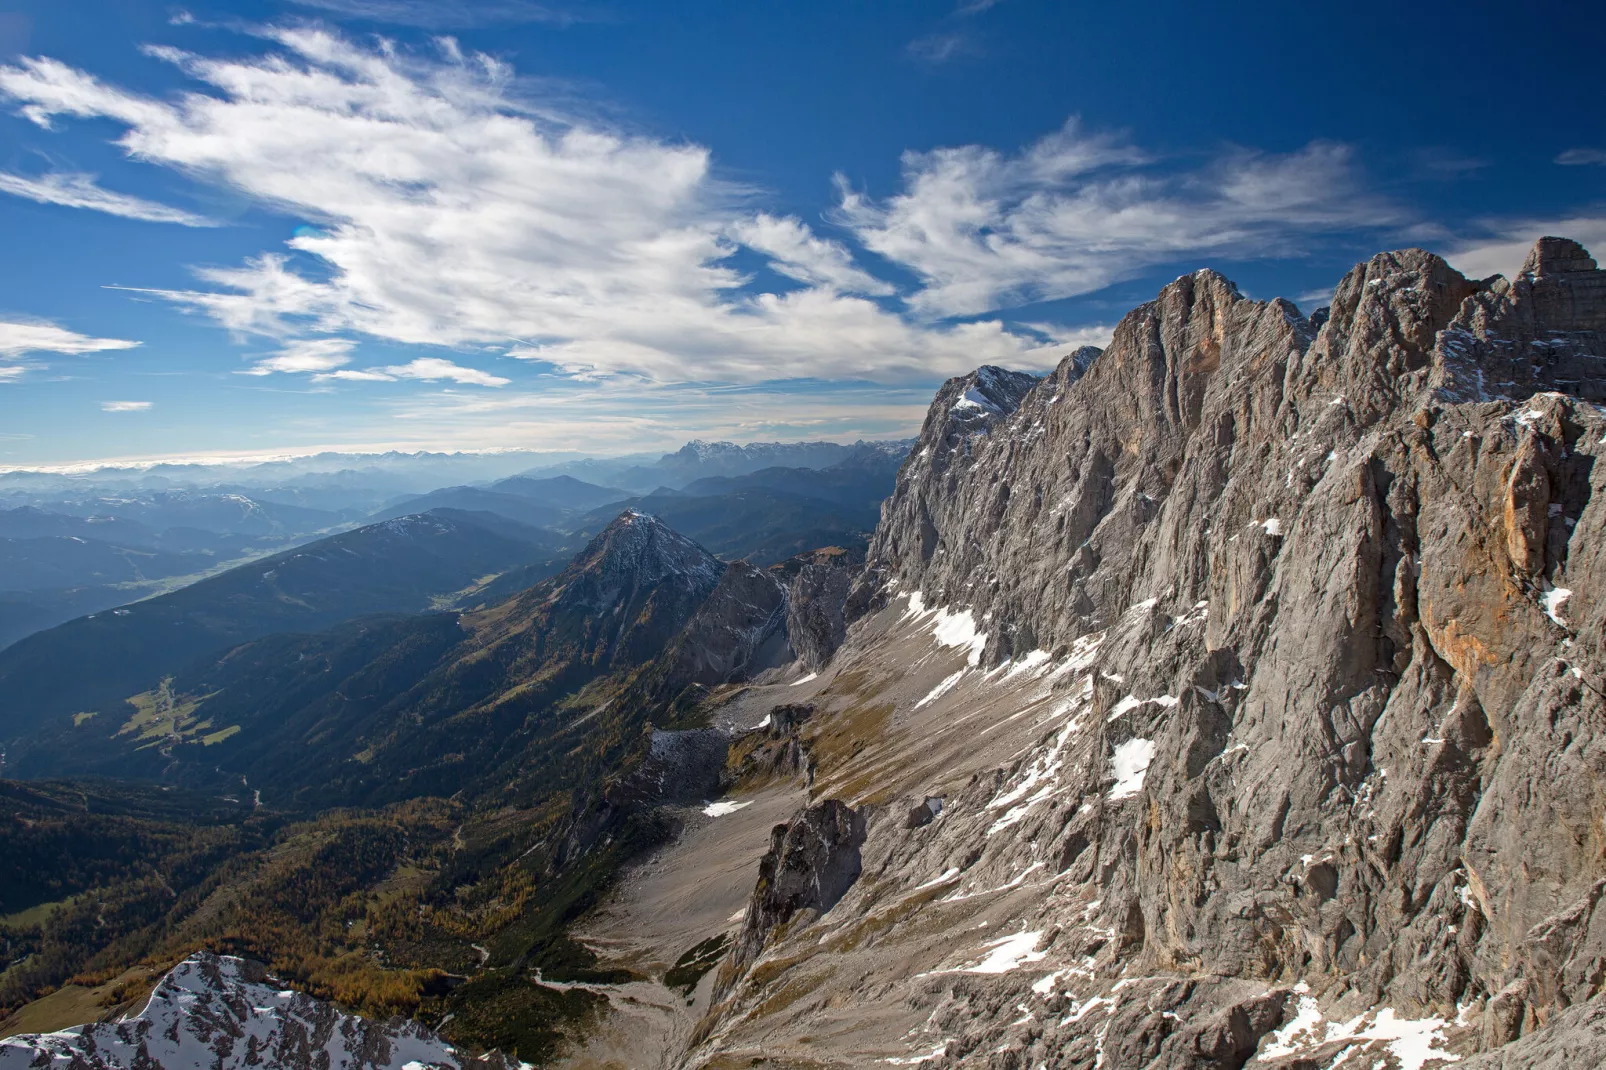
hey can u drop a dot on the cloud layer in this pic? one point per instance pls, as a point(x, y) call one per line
point(445, 207)
point(447, 212)
point(1076, 212)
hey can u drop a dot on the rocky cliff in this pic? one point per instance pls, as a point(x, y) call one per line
point(1257, 662)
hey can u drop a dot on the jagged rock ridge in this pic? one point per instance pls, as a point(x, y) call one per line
point(1268, 689)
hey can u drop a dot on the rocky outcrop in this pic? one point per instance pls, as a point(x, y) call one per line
point(1573, 1040)
point(817, 594)
point(680, 767)
point(812, 861)
point(1258, 654)
point(737, 633)
point(227, 1014)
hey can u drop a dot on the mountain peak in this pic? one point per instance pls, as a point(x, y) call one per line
point(644, 548)
point(223, 1012)
point(1557, 256)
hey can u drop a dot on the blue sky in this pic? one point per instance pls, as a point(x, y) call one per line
point(259, 228)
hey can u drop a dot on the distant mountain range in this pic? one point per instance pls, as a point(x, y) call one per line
point(401, 565)
point(147, 531)
point(701, 460)
point(542, 502)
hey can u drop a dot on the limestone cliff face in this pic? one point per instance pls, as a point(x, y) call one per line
point(1258, 659)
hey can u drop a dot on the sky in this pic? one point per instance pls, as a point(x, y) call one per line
point(239, 229)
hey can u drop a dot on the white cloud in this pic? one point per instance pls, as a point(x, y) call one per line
point(1507, 243)
point(448, 208)
point(124, 406)
point(355, 375)
point(1071, 338)
point(623, 413)
point(1582, 157)
point(428, 369)
point(432, 369)
point(1076, 212)
point(450, 212)
point(9, 372)
point(795, 252)
point(80, 191)
point(19, 338)
point(306, 355)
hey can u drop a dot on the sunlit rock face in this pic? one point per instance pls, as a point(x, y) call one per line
point(1257, 664)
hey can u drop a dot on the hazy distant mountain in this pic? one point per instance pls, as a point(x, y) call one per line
point(401, 565)
point(565, 492)
point(227, 513)
point(476, 500)
point(27, 522)
point(700, 460)
point(539, 502)
point(74, 561)
point(760, 524)
point(865, 478)
point(415, 695)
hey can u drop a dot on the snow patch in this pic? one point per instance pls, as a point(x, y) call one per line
point(807, 679)
point(941, 689)
point(959, 630)
point(1010, 953)
point(723, 807)
point(1413, 1042)
point(1030, 662)
point(1130, 764)
point(1553, 600)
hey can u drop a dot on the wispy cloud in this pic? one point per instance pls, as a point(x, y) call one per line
point(450, 212)
point(1582, 157)
point(81, 191)
point(448, 207)
point(443, 14)
point(942, 45)
point(18, 338)
point(1078, 211)
point(796, 252)
point(1505, 243)
point(428, 369)
point(124, 406)
point(307, 355)
point(938, 47)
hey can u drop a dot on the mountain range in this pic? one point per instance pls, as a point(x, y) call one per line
point(1230, 696)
